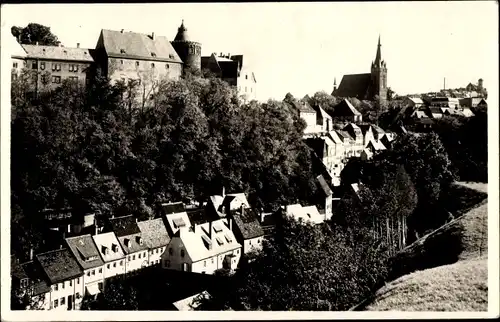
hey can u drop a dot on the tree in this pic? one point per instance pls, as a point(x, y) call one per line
point(118, 294)
point(35, 33)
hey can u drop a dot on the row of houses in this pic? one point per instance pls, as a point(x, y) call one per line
point(181, 238)
point(125, 55)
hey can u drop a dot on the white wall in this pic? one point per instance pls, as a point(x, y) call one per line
point(114, 268)
point(155, 255)
point(65, 289)
point(252, 244)
point(137, 260)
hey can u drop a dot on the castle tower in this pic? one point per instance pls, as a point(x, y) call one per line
point(189, 51)
point(379, 75)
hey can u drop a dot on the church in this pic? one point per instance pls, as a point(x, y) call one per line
point(365, 86)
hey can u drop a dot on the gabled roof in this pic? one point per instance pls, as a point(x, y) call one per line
point(335, 137)
point(353, 130)
point(132, 243)
point(247, 223)
point(122, 226)
point(59, 265)
point(344, 135)
point(416, 100)
point(303, 107)
point(58, 53)
point(172, 208)
point(37, 277)
point(177, 221)
point(16, 50)
point(344, 108)
point(354, 85)
point(85, 251)
point(154, 233)
point(137, 45)
point(107, 241)
point(307, 214)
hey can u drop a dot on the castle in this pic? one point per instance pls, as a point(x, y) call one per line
point(121, 55)
point(365, 86)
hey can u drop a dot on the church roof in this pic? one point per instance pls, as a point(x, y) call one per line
point(354, 85)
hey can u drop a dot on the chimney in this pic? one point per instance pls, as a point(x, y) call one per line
point(31, 253)
point(77, 45)
point(69, 228)
point(122, 31)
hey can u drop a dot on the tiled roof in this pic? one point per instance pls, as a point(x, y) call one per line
point(106, 241)
point(354, 85)
point(137, 45)
point(58, 53)
point(416, 100)
point(59, 265)
point(154, 233)
point(344, 108)
point(247, 223)
point(123, 226)
point(303, 107)
point(85, 251)
point(37, 278)
point(325, 188)
point(132, 243)
point(172, 208)
point(200, 216)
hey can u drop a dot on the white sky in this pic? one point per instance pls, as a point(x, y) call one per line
point(301, 47)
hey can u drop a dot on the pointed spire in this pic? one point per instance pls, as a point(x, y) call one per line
point(335, 81)
point(378, 57)
point(182, 34)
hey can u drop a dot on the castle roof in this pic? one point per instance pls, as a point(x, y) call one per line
point(58, 53)
point(353, 85)
point(182, 34)
point(136, 45)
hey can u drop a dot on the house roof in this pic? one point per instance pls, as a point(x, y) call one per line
point(365, 128)
point(84, 249)
point(182, 34)
point(344, 135)
point(137, 45)
point(247, 223)
point(59, 265)
point(189, 303)
point(37, 277)
point(58, 53)
point(325, 188)
point(335, 137)
point(154, 233)
point(353, 85)
point(123, 226)
point(235, 200)
point(107, 241)
point(307, 214)
point(416, 100)
point(17, 51)
point(353, 130)
point(172, 208)
point(200, 216)
point(344, 108)
point(303, 107)
point(16, 270)
point(176, 221)
point(130, 243)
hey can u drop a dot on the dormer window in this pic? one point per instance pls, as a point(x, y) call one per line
point(139, 240)
point(104, 250)
point(153, 54)
point(170, 56)
point(122, 51)
point(114, 247)
point(127, 242)
point(183, 253)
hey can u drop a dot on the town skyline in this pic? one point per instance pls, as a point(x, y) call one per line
point(280, 48)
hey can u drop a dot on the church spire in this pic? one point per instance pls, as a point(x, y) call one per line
point(378, 57)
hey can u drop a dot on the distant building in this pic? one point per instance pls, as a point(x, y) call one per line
point(247, 229)
point(51, 65)
point(413, 102)
point(231, 68)
point(155, 236)
point(477, 90)
point(366, 86)
point(189, 51)
point(346, 112)
point(473, 102)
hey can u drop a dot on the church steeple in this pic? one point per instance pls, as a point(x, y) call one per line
point(378, 57)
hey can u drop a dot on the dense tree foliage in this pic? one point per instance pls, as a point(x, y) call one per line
point(117, 295)
point(35, 33)
point(83, 148)
point(305, 267)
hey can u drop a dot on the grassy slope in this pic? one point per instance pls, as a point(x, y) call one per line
point(450, 265)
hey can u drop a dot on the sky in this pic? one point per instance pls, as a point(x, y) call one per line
point(302, 47)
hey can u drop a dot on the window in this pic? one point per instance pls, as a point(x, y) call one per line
point(121, 263)
point(129, 258)
point(58, 67)
point(63, 301)
point(56, 287)
point(70, 68)
point(167, 66)
point(100, 270)
point(121, 61)
point(204, 263)
point(122, 51)
point(182, 253)
point(153, 54)
point(108, 266)
point(212, 260)
point(237, 251)
point(77, 295)
point(45, 79)
point(14, 65)
point(62, 285)
point(156, 251)
point(137, 63)
point(70, 283)
point(42, 65)
point(100, 285)
point(34, 65)
point(246, 76)
point(170, 251)
point(78, 280)
point(152, 65)
point(88, 273)
point(167, 263)
point(76, 68)
point(139, 256)
point(114, 264)
point(56, 303)
point(56, 79)
point(93, 272)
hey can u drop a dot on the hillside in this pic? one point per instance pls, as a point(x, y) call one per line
point(445, 270)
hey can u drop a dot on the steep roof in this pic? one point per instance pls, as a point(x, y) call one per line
point(303, 107)
point(172, 208)
point(247, 223)
point(17, 51)
point(354, 85)
point(37, 277)
point(137, 45)
point(416, 100)
point(189, 303)
point(58, 53)
point(106, 241)
point(132, 243)
point(59, 265)
point(344, 108)
point(154, 233)
point(85, 251)
point(122, 226)
point(182, 34)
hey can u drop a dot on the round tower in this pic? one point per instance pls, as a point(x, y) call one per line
point(189, 51)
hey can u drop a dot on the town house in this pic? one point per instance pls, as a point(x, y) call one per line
point(111, 253)
point(87, 255)
point(174, 217)
point(65, 278)
point(346, 112)
point(155, 237)
point(247, 229)
point(29, 279)
point(130, 237)
point(357, 138)
point(203, 248)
